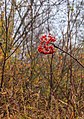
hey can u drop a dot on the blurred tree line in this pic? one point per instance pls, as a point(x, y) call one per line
point(34, 85)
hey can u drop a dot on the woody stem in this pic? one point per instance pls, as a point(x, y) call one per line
point(68, 54)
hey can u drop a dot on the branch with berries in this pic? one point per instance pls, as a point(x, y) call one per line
point(47, 46)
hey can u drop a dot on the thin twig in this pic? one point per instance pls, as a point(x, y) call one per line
point(68, 54)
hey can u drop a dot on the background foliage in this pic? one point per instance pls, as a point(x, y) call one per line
point(34, 85)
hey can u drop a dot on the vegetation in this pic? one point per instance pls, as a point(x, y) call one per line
point(38, 85)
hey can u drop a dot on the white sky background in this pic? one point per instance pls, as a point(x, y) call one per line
point(59, 22)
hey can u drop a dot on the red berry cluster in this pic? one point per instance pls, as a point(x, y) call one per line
point(44, 46)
